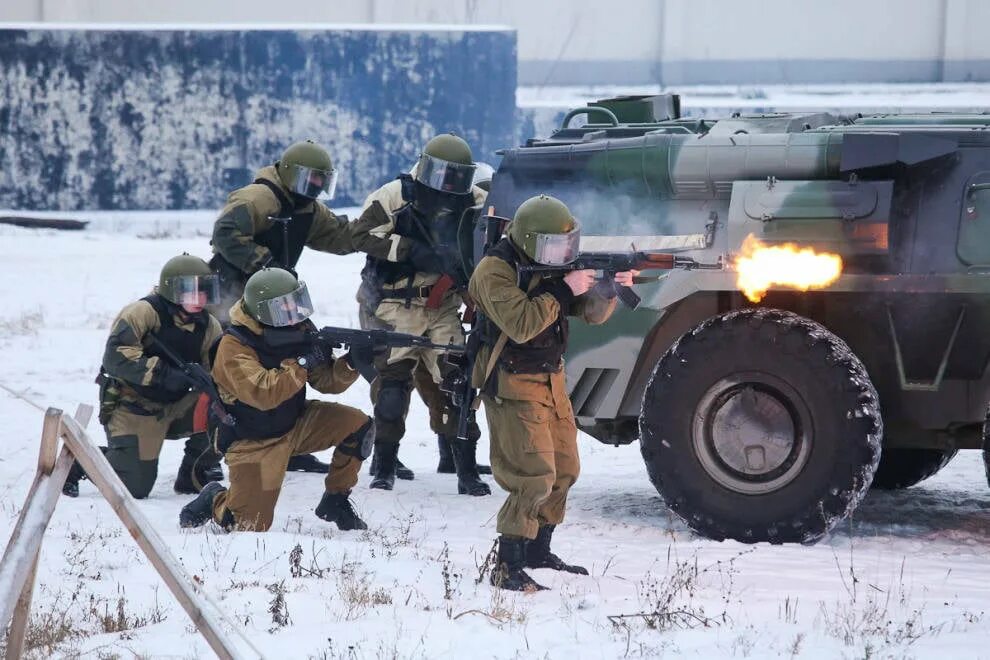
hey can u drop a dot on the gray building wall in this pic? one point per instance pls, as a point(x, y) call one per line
point(669, 42)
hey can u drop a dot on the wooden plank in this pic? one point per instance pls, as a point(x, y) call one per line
point(206, 618)
point(22, 549)
point(22, 610)
point(49, 441)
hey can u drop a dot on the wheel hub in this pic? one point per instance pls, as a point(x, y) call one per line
point(752, 433)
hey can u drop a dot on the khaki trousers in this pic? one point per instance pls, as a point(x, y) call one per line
point(534, 457)
point(257, 467)
point(135, 439)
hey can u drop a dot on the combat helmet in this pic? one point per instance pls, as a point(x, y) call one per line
point(544, 229)
point(305, 169)
point(274, 297)
point(188, 280)
point(446, 165)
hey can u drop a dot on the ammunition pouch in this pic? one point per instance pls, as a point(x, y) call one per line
point(110, 394)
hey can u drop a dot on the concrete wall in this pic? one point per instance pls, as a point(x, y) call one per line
point(175, 118)
point(671, 42)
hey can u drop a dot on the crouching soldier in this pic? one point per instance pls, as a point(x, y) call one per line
point(144, 396)
point(262, 366)
point(270, 221)
point(520, 373)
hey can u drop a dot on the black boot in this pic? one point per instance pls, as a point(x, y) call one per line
point(446, 463)
point(401, 471)
point(71, 486)
point(307, 463)
point(196, 471)
point(538, 554)
point(386, 454)
point(337, 508)
point(200, 509)
point(509, 573)
point(468, 480)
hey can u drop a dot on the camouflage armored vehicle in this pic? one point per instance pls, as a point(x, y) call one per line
point(768, 421)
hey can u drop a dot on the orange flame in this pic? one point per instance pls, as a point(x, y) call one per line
point(760, 266)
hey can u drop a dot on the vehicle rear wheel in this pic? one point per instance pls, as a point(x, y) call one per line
point(761, 425)
point(904, 467)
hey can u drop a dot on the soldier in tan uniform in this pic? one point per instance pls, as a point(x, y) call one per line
point(262, 366)
point(413, 283)
point(144, 398)
point(520, 373)
point(270, 221)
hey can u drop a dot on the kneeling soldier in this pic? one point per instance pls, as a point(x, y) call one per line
point(520, 373)
point(262, 365)
point(144, 398)
point(270, 221)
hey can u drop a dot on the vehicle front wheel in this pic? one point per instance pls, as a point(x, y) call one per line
point(761, 425)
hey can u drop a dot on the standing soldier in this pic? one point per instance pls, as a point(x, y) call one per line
point(413, 282)
point(144, 397)
point(262, 366)
point(268, 222)
point(520, 373)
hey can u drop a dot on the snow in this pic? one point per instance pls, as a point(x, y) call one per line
point(906, 577)
point(853, 97)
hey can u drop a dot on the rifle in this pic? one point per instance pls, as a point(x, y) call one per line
point(457, 384)
point(610, 263)
point(198, 380)
point(355, 340)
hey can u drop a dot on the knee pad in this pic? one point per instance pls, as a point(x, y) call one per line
point(360, 443)
point(393, 401)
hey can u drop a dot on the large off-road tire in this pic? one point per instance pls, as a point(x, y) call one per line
point(903, 467)
point(761, 425)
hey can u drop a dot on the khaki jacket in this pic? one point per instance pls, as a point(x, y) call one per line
point(124, 357)
point(373, 232)
point(239, 374)
point(495, 291)
point(246, 215)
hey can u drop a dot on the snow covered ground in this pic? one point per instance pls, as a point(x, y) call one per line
point(908, 577)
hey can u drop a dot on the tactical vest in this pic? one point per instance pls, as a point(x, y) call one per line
point(188, 346)
point(411, 223)
point(543, 353)
point(285, 239)
point(254, 423)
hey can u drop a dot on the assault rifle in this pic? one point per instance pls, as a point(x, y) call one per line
point(610, 263)
point(457, 383)
point(198, 380)
point(361, 342)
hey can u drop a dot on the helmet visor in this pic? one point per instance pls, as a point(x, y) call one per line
point(194, 290)
point(310, 182)
point(557, 249)
point(442, 175)
point(289, 309)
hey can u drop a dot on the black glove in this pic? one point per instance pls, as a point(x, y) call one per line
point(557, 287)
point(362, 359)
point(172, 379)
point(312, 358)
point(424, 258)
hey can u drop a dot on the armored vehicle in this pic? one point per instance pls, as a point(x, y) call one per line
point(769, 420)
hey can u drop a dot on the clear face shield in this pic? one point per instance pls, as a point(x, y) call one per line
point(557, 249)
point(311, 182)
point(290, 309)
point(194, 290)
point(442, 175)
